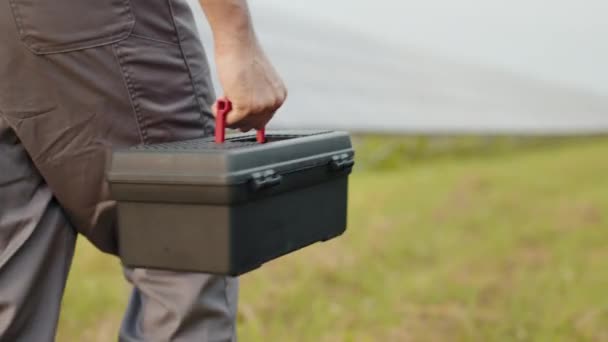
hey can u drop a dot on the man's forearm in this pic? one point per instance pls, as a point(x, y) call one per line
point(230, 22)
point(246, 75)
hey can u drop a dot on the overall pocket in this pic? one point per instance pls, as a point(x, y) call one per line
point(53, 26)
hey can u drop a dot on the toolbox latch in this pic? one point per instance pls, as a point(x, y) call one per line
point(342, 162)
point(265, 179)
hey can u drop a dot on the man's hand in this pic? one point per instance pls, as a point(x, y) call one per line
point(249, 80)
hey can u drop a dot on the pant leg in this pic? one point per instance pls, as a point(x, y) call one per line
point(36, 247)
point(70, 106)
point(169, 306)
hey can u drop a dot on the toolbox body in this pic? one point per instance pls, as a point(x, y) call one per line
point(228, 208)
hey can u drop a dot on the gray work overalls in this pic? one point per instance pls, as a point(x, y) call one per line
point(77, 78)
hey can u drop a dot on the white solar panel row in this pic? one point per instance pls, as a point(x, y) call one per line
point(344, 76)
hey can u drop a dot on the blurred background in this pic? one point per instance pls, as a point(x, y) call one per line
point(479, 204)
point(435, 66)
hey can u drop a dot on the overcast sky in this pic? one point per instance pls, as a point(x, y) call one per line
point(564, 41)
point(523, 66)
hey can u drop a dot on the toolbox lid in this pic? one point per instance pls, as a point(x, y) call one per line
point(204, 162)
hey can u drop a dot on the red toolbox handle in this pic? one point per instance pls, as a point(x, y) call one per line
point(224, 106)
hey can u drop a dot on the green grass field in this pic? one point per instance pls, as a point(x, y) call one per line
point(505, 247)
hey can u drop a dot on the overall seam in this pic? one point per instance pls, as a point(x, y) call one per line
point(233, 319)
point(181, 50)
point(132, 95)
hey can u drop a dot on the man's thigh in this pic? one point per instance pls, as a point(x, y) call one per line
point(72, 92)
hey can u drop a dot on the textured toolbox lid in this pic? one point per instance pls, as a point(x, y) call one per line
point(203, 162)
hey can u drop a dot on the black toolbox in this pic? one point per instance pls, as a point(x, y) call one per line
point(228, 208)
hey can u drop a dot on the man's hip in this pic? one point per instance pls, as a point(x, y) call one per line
point(76, 80)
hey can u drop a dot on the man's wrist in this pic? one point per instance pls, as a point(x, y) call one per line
point(229, 42)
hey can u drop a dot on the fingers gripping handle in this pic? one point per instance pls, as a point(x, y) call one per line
point(224, 106)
